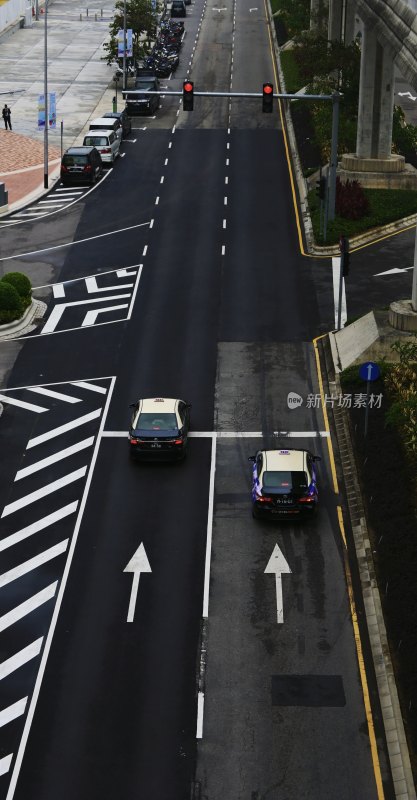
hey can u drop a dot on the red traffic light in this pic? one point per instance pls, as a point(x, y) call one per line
point(188, 95)
point(267, 98)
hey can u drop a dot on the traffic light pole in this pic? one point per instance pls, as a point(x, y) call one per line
point(339, 307)
point(333, 156)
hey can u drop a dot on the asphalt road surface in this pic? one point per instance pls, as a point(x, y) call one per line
point(179, 275)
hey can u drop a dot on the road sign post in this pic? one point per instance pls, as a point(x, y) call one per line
point(368, 372)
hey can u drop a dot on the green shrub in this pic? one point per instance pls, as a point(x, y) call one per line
point(11, 306)
point(291, 72)
point(22, 284)
point(351, 200)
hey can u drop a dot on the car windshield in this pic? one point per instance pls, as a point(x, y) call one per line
point(157, 422)
point(95, 141)
point(70, 161)
point(146, 85)
point(285, 481)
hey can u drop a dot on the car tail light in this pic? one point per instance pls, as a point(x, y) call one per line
point(134, 441)
point(308, 499)
point(264, 499)
point(178, 441)
point(106, 150)
point(64, 168)
point(87, 168)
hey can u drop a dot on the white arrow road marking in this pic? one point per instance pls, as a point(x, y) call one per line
point(58, 310)
point(137, 564)
point(278, 565)
point(12, 712)
point(13, 401)
point(5, 764)
point(20, 658)
point(336, 284)
point(122, 155)
point(33, 563)
point(39, 525)
point(252, 9)
point(69, 426)
point(66, 398)
point(91, 316)
point(407, 94)
point(393, 271)
point(91, 284)
point(54, 458)
point(29, 605)
point(44, 491)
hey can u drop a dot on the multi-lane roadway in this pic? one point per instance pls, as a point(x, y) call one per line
point(179, 275)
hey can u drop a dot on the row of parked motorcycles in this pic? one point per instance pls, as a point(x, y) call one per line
point(164, 57)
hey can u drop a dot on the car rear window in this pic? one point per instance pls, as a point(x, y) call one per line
point(157, 422)
point(286, 481)
point(71, 161)
point(95, 141)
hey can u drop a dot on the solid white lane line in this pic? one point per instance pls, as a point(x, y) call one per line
point(92, 288)
point(91, 316)
point(58, 290)
point(39, 525)
point(66, 398)
point(200, 715)
point(29, 605)
point(44, 491)
point(68, 426)
point(71, 244)
point(54, 458)
point(209, 528)
point(57, 607)
point(13, 401)
point(92, 387)
point(13, 712)
point(5, 764)
point(20, 658)
point(33, 563)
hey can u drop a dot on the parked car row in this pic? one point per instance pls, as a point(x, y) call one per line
point(160, 63)
point(101, 145)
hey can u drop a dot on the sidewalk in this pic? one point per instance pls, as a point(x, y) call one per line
point(76, 73)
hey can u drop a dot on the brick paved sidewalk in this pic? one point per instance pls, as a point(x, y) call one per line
point(21, 164)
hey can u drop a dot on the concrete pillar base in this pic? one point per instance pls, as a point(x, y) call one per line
point(351, 168)
point(402, 317)
point(394, 163)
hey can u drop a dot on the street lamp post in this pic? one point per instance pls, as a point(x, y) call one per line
point(45, 91)
point(124, 45)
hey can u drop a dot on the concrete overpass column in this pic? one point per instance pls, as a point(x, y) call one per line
point(335, 25)
point(376, 99)
point(317, 14)
point(350, 16)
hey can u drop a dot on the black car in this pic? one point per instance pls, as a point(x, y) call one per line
point(81, 165)
point(159, 429)
point(138, 101)
point(124, 119)
point(178, 8)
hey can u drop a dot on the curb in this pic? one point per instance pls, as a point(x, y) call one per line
point(397, 746)
point(25, 324)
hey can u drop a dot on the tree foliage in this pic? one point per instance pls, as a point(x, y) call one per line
point(351, 200)
point(404, 136)
point(141, 17)
point(295, 14)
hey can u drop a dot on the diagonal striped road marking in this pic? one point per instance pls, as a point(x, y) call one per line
point(92, 387)
point(5, 764)
point(53, 459)
point(58, 310)
point(13, 712)
point(39, 525)
point(23, 502)
point(27, 606)
point(66, 398)
point(33, 563)
point(19, 659)
point(14, 401)
point(91, 316)
point(92, 287)
point(68, 426)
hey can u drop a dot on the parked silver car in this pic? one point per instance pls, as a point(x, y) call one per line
point(106, 142)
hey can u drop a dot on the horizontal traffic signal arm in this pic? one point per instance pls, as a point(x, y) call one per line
point(166, 93)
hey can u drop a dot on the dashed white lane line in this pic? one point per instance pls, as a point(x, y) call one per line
point(44, 491)
point(54, 458)
point(227, 162)
point(14, 401)
point(33, 563)
point(157, 201)
point(225, 201)
point(145, 250)
point(151, 224)
point(200, 715)
point(223, 249)
point(162, 179)
point(226, 179)
point(20, 658)
point(224, 224)
point(65, 398)
point(68, 426)
point(39, 525)
point(28, 606)
point(13, 712)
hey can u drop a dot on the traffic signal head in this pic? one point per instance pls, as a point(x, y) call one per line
point(321, 188)
point(188, 95)
point(346, 263)
point(267, 98)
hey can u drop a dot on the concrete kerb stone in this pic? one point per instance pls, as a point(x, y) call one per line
point(25, 324)
point(387, 690)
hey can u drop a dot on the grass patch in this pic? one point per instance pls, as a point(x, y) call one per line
point(385, 205)
point(291, 71)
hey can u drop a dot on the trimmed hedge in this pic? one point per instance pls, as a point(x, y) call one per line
point(15, 296)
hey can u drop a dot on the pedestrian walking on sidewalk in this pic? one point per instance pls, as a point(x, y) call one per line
point(6, 114)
